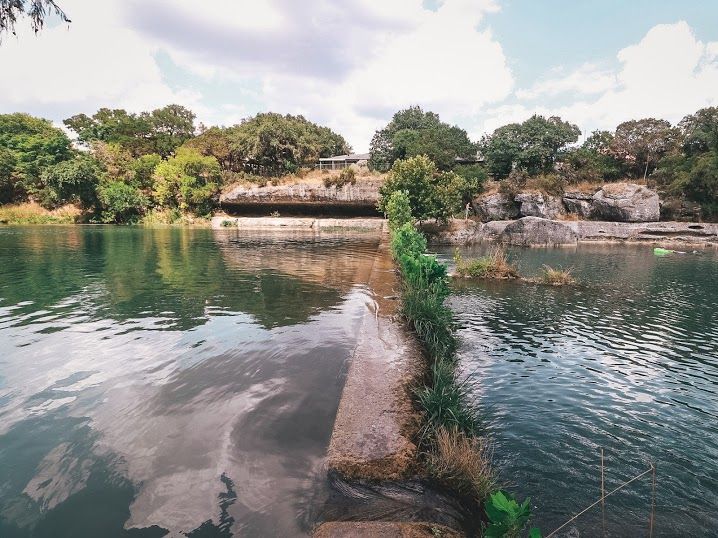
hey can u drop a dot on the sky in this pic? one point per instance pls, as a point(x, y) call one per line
point(350, 64)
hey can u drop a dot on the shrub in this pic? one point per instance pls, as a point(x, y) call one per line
point(507, 518)
point(512, 185)
point(188, 181)
point(72, 181)
point(121, 202)
point(398, 210)
point(346, 177)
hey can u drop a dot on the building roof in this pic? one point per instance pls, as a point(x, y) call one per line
point(351, 157)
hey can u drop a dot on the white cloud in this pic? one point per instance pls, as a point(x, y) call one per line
point(96, 62)
point(668, 74)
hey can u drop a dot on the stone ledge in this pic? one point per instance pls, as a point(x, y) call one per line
point(375, 422)
point(383, 529)
point(303, 223)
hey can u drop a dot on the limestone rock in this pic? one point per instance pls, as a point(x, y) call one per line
point(535, 231)
point(494, 207)
point(626, 202)
point(578, 203)
point(536, 204)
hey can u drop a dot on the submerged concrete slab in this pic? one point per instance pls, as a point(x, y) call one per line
point(366, 529)
point(376, 422)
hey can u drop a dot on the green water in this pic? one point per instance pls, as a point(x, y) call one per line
point(626, 361)
point(157, 381)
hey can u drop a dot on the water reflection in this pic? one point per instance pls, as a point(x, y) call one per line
point(626, 361)
point(169, 380)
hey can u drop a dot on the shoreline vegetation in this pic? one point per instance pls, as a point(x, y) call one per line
point(121, 167)
point(456, 451)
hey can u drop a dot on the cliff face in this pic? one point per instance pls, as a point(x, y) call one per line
point(363, 194)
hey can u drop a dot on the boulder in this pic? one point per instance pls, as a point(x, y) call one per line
point(626, 202)
point(578, 203)
point(535, 231)
point(536, 204)
point(495, 206)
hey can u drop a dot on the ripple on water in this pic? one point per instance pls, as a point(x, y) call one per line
point(627, 362)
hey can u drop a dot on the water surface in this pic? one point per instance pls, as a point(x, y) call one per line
point(626, 361)
point(170, 381)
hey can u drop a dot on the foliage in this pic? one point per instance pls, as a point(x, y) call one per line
point(494, 265)
point(592, 162)
point(413, 132)
point(30, 145)
point(219, 142)
point(36, 10)
point(398, 210)
point(188, 181)
point(73, 181)
point(474, 176)
point(532, 146)
point(160, 131)
point(120, 202)
point(640, 144)
point(272, 144)
point(432, 194)
point(506, 516)
point(346, 177)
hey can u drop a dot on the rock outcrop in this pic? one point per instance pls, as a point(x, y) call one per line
point(535, 231)
point(578, 203)
point(536, 204)
point(363, 194)
point(625, 202)
point(494, 206)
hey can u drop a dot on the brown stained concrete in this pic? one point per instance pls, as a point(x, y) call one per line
point(384, 529)
point(376, 421)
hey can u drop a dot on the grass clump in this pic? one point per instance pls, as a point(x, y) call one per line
point(463, 462)
point(557, 277)
point(346, 177)
point(494, 265)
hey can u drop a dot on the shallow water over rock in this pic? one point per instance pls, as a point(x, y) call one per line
point(627, 361)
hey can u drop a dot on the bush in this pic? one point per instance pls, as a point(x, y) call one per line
point(398, 210)
point(346, 177)
point(71, 181)
point(121, 202)
point(188, 181)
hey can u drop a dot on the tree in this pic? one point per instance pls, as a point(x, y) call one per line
point(36, 10)
point(219, 142)
point(120, 202)
point(160, 131)
point(73, 181)
point(592, 162)
point(700, 131)
point(188, 181)
point(532, 146)
point(30, 144)
point(413, 132)
point(431, 193)
point(640, 144)
point(273, 144)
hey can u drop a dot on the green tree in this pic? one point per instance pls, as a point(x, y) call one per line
point(35, 10)
point(120, 202)
point(31, 145)
point(532, 146)
point(413, 132)
point(220, 143)
point(640, 144)
point(160, 131)
point(73, 181)
point(273, 144)
point(188, 181)
point(7, 167)
point(431, 194)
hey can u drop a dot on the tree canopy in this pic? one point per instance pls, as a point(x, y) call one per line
point(160, 131)
point(640, 144)
point(413, 132)
point(532, 146)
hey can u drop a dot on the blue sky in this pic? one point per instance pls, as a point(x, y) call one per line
point(352, 63)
